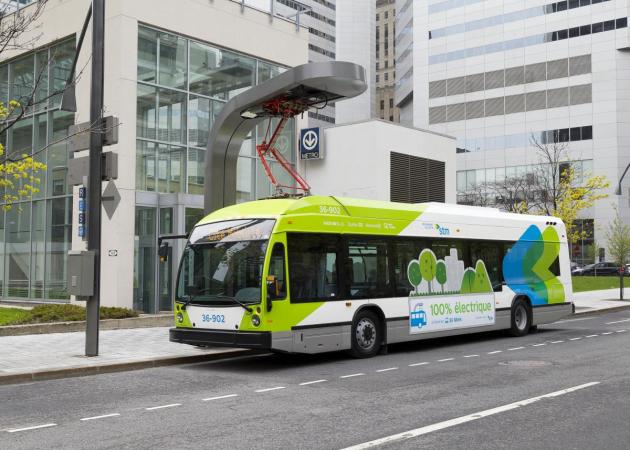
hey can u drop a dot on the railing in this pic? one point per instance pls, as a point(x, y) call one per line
point(269, 7)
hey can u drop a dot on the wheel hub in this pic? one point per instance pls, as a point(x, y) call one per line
point(366, 333)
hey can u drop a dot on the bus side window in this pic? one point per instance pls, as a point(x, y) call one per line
point(368, 273)
point(313, 266)
point(277, 269)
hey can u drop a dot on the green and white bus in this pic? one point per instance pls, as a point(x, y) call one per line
point(318, 274)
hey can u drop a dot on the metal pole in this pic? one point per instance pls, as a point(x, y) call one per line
point(94, 183)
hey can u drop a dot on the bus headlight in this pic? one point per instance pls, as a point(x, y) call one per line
point(255, 320)
point(180, 317)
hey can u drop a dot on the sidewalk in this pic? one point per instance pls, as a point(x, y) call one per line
point(59, 355)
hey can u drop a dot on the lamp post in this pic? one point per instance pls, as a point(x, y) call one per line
point(618, 190)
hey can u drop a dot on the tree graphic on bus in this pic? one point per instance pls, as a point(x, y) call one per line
point(449, 273)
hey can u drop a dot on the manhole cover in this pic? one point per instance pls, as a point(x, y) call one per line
point(525, 363)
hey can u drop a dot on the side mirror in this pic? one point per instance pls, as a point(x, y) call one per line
point(163, 252)
point(273, 290)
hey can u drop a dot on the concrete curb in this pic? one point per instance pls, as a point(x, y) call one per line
point(53, 374)
point(599, 311)
point(158, 320)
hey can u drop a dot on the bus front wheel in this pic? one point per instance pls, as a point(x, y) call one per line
point(521, 318)
point(367, 335)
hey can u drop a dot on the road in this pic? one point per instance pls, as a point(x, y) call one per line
point(567, 386)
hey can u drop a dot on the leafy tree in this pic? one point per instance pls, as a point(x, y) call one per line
point(414, 275)
point(440, 273)
point(428, 262)
point(618, 239)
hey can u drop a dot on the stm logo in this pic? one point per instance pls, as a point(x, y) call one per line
point(442, 230)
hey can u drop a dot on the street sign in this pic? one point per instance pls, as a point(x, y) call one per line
point(111, 199)
point(310, 143)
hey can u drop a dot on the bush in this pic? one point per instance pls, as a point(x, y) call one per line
point(73, 313)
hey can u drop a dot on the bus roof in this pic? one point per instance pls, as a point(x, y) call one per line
point(372, 209)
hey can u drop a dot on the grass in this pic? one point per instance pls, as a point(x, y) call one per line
point(591, 283)
point(58, 313)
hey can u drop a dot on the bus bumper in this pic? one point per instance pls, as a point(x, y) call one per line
point(221, 338)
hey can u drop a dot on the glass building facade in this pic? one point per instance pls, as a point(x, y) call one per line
point(182, 86)
point(35, 233)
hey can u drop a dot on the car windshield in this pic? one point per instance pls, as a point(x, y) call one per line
point(223, 262)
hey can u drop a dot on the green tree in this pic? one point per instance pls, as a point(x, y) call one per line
point(428, 262)
point(482, 281)
point(440, 273)
point(618, 240)
point(414, 275)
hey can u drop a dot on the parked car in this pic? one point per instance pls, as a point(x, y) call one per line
point(580, 270)
point(601, 268)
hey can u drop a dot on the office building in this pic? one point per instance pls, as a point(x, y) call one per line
point(385, 61)
point(499, 75)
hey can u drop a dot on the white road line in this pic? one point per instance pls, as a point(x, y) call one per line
point(592, 335)
point(445, 359)
point(418, 364)
point(219, 397)
point(621, 331)
point(471, 356)
point(352, 375)
point(306, 383)
point(618, 321)
point(464, 419)
point(557, 342)
point(271, 389)
point(515, 348)
point(105, 416)
point(494, 352)
point(538, 345)
point(606, 334)
point(172, 405)
point(36, 427)
point(575, 339)
point(388, 369)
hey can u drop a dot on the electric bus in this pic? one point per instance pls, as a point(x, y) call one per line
point(319, 273)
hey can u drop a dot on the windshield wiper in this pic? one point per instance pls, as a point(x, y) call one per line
point(235, 300)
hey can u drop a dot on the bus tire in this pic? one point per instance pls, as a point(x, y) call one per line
point(367, 335)
point(521, 318)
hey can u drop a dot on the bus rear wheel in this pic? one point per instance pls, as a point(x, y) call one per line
point(521, 321)
point(367, 335)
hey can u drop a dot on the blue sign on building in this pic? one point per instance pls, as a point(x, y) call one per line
point(310, 143)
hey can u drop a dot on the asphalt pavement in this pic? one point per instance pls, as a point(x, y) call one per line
point(567, 386)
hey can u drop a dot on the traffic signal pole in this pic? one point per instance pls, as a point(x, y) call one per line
point(94, 178)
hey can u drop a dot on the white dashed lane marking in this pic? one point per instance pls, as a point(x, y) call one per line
point(494, 352)
point(418, 364)
point(618, 321)
point(538, 345)
point(36, 427)
point(607, 333)
point(306, 383)
point(271, 389)
point(445, 359)
point(172, 405)
point(471, 356)
point(592, 335)
point(388, 369)
point(557, 342)
point(515, 348)
point(575, 339)
point(104, 416)
point(219, 397)
point(352, 375)
point(621, 331)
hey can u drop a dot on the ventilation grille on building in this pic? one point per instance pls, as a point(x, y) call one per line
point(557, 97)
point(416, 180)
point(474, 83)
point(579, 65)
point(535, 72)
point(437, 114)
point(536, 100)
point(495, 79)
point(514, 76)
point(514, 103)
point(437, 89)
point(494, 107)
point(557, 69)
point(455, 86)
point(474, 110)
point(580, 94)
point(456, 112)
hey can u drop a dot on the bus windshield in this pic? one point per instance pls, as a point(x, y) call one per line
point(223, 262)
